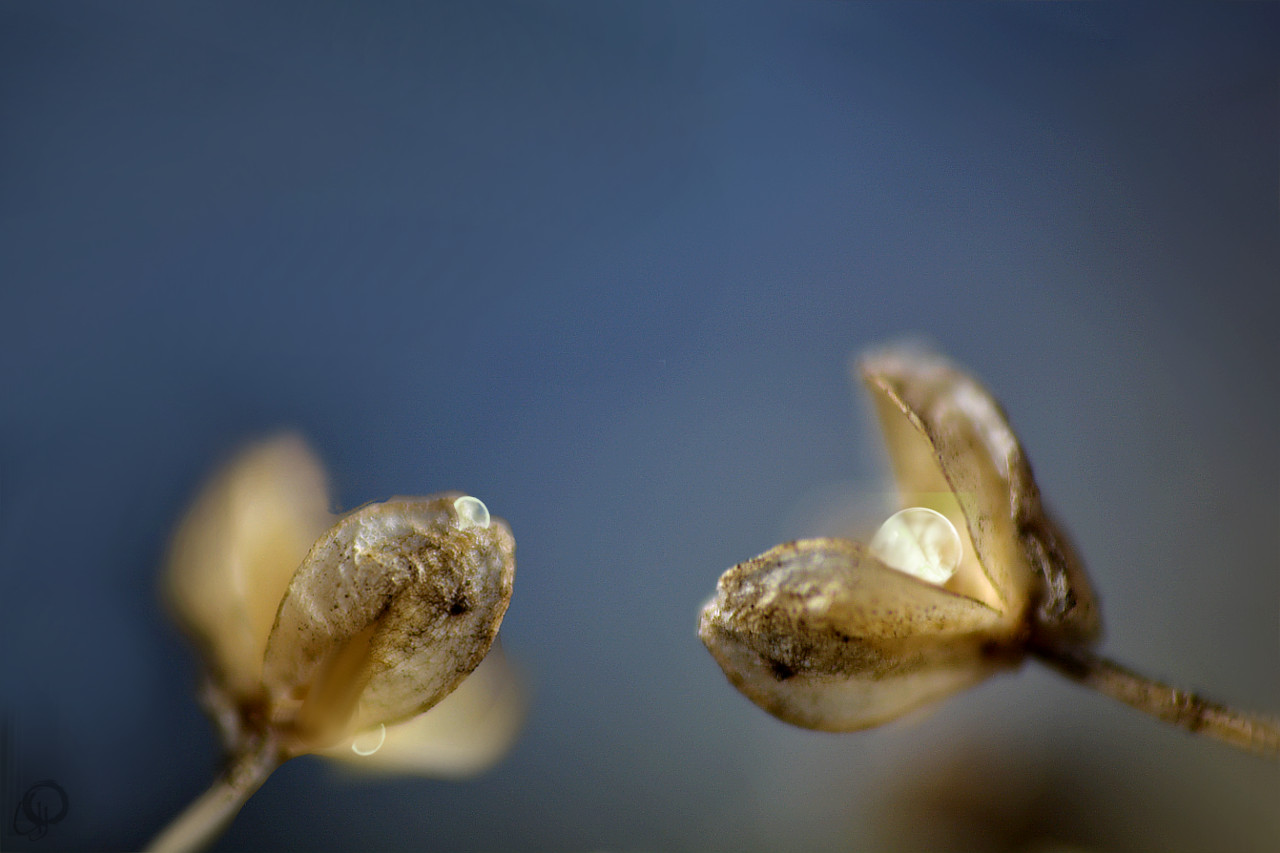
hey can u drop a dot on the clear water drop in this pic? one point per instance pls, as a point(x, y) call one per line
point(367, 743)
point(471, 512)
point(921, 542)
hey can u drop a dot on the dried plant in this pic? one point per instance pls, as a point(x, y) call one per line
point(970, 579)
point(334, 636)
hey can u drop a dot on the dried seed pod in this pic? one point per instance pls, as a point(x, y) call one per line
point(824, 634)
point(393, 607)
point(319, 640)
point(320, 635)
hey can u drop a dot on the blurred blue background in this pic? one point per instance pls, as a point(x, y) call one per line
point(602, 265)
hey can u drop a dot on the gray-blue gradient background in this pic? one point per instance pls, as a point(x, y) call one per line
point(602, 264)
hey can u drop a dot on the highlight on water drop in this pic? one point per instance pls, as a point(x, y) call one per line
point(921, 542)
point(367, 743)
point(471, 512)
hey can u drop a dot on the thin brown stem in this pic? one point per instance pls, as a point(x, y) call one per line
point(202, 821)
point(1256, 733)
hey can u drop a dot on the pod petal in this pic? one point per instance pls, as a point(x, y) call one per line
point(236, 549)
point(466, 733)
point(952, 449)
point(823, 635)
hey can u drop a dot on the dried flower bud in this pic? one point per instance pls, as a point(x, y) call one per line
point(824, 633)
point(325, 635)
point(392, 608)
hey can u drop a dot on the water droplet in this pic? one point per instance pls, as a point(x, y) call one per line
point(367, 743)
point(919, 541)
point(471, 512)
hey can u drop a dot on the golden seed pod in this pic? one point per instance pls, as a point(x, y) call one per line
point(391, 609)
point(825, 634)
point(329, 632)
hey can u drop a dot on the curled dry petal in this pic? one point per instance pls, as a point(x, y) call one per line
point(235, 550)
point(391, 609)
point(950, 444)
point(824, 635)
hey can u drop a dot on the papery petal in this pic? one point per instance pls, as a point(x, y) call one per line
point(947, 434)
point(466, 733)
point(235, 550)
point(391, 609)
point(823, 635)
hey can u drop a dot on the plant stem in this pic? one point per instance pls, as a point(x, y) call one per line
point(210, 813)
point(1254, 733)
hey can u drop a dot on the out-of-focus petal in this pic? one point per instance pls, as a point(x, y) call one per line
point(823, 635)
point(235, 550)
point(392, 608)
point(466, 733)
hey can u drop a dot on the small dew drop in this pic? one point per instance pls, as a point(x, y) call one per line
point(919, 541)
point(367, 743)
point(471, 512)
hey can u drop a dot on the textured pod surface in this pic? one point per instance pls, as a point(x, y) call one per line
point(823, 635)
point(392, 608)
